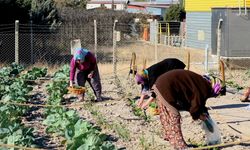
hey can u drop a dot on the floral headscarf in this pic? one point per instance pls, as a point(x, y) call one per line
point(141, 77)
point(218, 86)
point(80, 54)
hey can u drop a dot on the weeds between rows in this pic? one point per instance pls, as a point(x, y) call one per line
point(120, 129)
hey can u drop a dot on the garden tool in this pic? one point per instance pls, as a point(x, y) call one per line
point(145, 114)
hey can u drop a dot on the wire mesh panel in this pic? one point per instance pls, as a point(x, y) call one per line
point(7, 43)
point(42, 44)
point(112, 42)
point(7, 47)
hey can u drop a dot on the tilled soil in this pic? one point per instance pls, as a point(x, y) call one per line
point(127, 131)
point(227, 111)
point(35, 116)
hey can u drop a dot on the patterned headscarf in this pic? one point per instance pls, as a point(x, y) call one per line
point(141, 77)
point(218, 87)
point(80, 54)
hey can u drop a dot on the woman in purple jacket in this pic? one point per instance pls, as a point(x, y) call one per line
point(83, 67)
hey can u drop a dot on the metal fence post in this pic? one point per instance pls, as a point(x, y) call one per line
point(31, 43)
point(168, 29)
point(219, 41)
point(95, 34)
point(188, 60)
point(218, 47)
point(156, 41)
point(17, 41)
point(206, 58)
point(114, 49)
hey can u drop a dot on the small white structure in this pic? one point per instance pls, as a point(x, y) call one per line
point(75, 44)
point(118, 4)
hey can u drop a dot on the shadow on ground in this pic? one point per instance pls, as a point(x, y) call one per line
point(229, 106)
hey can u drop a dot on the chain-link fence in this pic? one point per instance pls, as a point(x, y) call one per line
point(112, 42)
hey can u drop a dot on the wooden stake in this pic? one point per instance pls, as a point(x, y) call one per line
point(188, 60)
point(144, 63)
point(133, 63)
point(222, 71)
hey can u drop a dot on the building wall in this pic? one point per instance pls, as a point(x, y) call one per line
point(92, 6)
point(153, 30)
point(117, 6)
point(218, 14)
point(154, 11)
point(235, 31)
point(198, 28)
point(109, 6)
point(206, 5)
point(239, 31)
point(198, 20)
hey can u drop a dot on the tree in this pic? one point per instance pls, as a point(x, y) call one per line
point(26, 4)
point(72, 3)
point(44, 12)
point(11, 10)
point(175, 12)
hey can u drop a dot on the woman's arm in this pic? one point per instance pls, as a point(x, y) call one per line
point(92, 60)
point(144, 94)
point(140, 101)
point(150, 100)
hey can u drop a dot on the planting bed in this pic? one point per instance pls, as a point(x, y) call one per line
point(53, 119)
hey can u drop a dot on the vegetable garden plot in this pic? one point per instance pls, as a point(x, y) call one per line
point(15, 89)
point(61, 123)
point(44, 126)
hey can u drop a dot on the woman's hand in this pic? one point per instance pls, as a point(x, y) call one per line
point(203, 117)
point(146, 104)
point(90, 75)
point(140, 101)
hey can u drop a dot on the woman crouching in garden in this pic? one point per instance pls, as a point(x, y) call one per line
point(183, 90)
point(83, 67)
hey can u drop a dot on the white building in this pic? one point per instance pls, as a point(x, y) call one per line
point(118, 4)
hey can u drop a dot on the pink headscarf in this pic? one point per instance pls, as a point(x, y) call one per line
point(216, 83)
point(139, 79)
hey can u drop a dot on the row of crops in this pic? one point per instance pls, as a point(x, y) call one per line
point(59, 120)
point(14, 88)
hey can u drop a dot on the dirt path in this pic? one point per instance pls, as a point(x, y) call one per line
point(35, 117)
point(135, 134)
